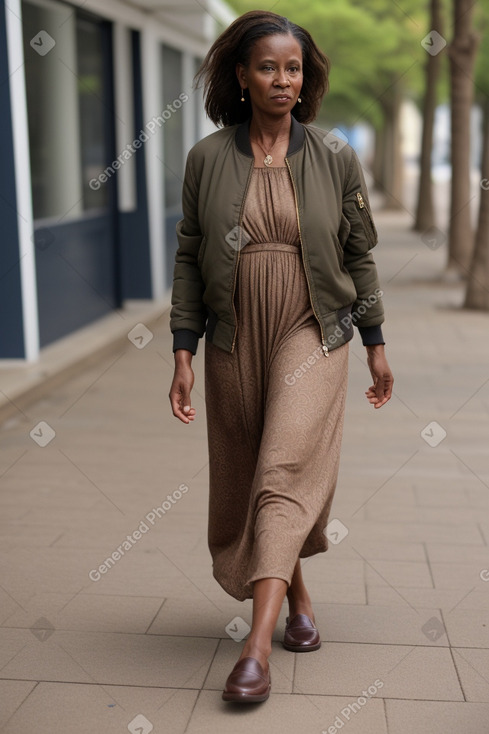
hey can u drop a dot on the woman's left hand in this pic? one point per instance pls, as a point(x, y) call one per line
point(381, 391)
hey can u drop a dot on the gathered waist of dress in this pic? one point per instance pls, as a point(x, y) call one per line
point(271, 246)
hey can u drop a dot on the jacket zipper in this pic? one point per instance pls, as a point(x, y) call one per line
point(237, 257)
point(364, 208)
point(324, 345)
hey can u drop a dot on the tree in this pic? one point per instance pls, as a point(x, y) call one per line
point(374, 50)
point(477, 293)
point(425, 217)
point(462, 53)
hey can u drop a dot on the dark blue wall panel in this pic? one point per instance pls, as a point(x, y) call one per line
point(134, 228)
point(11, 321)
point(75, 275)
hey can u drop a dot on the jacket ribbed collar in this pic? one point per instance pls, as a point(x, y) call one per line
point(296, 140)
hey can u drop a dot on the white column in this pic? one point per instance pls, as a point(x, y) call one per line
point(23, 192)
point(124, 115)
point(153, 147)
point(189, 107)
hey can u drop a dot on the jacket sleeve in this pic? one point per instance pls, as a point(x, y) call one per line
point(188, 313)
point(367, 310)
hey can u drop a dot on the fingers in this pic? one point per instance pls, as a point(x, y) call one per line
point(181, 405)
point(380, 393)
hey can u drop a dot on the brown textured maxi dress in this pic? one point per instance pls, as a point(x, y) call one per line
point(274, 417)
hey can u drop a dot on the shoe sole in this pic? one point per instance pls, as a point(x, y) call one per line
point(302, 648)
point(245, 697)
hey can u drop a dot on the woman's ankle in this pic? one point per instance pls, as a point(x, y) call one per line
point(255, 649)
point(300, 604)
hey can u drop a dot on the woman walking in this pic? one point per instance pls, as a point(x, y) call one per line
point(274, 266)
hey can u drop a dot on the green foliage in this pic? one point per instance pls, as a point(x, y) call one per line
point(481, 23)
point(375, 51)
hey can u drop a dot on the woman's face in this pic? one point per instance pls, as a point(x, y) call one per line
point(274, 74)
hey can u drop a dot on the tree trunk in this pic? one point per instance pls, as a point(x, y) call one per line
point(377, 164)
point(425, 217)
point(477, 294)
point(462, 53)
point(392, 164)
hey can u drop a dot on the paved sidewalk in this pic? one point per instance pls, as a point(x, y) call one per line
point(402, 600)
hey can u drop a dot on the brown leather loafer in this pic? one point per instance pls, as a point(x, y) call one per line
point(301, 634)
point(247, 682)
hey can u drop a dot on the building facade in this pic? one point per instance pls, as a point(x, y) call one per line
point(97, 114)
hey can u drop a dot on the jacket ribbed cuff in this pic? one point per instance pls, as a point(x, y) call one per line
point(371, 335)
point(185, 339)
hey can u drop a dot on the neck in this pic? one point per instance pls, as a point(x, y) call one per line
point(268, 129)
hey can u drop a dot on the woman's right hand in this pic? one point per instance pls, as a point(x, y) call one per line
point(183, 381)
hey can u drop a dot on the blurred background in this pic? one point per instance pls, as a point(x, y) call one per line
point(98, 111)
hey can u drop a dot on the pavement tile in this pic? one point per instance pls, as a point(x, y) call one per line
point(106, 708)
point(206, 619)
point(12, 694)
point(439, 553)
point(434, 717)
point(422, 515)
point(473, 669)
point(283, 714)
point(462, 534)
point(428, 598)
point(121, 659)
point(88, 612)
point(378, 624)
point(463, 576)
point(376, 550)
point(407, 672)
point(468, 627)
point(398, 574)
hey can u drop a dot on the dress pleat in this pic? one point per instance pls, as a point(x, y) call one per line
point(274, 406)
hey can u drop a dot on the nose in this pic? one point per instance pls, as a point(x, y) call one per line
point(282, 80)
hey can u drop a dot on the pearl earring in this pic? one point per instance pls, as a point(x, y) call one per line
point(242, 94)
point(299, 99)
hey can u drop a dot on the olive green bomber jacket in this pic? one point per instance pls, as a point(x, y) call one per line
point(336, 232)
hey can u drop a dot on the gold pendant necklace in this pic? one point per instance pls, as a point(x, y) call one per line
point(268, 160)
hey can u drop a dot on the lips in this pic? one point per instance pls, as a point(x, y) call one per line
point(281, 96)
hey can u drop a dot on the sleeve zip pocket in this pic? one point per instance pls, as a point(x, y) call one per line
point(370, 229)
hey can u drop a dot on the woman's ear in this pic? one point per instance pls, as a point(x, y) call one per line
point(240, 73)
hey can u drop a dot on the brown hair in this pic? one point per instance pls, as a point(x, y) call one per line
point(222, 92)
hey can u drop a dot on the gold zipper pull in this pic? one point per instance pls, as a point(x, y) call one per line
point(361, 202)
point(325, 350)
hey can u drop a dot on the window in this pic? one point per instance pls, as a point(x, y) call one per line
point(67, 108)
